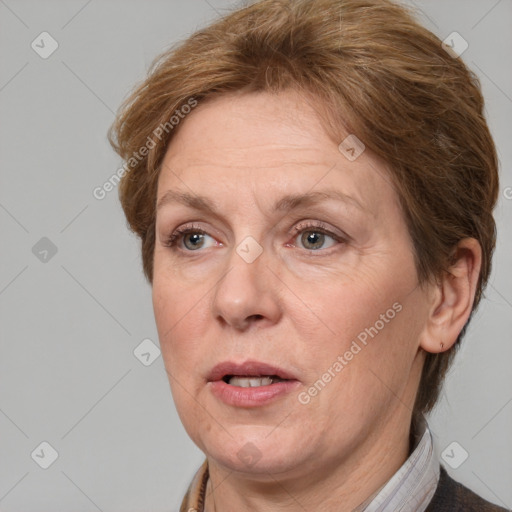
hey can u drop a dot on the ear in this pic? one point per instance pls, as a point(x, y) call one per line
point(452, 298)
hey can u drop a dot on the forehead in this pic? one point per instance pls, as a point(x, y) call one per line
point(238, 125)
point(262, 143)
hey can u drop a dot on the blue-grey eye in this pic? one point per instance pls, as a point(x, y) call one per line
point(313, 240)
point(193, 241)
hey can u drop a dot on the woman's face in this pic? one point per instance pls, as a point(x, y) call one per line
point(282, 262)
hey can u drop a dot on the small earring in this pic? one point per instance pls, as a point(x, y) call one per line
point(442, 346)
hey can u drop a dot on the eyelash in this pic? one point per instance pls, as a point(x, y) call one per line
point(179, 233)
point(319, 227)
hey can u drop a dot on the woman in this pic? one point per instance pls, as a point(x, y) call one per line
point(313, 185)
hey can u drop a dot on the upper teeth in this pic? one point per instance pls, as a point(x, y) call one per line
point(250, 382)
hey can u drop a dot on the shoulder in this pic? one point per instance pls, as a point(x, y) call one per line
point(451, 496)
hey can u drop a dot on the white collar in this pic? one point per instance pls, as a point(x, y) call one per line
point(413, 486)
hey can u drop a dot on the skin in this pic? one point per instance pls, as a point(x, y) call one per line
point(295, 306)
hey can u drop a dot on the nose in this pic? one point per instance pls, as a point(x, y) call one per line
point(246, 295)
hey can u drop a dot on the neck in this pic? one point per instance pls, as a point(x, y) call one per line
point(336, 485)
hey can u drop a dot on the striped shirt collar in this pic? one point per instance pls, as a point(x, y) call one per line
point(413, 486)
point(410, 489)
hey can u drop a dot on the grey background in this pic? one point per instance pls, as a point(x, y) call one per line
point(69, 325)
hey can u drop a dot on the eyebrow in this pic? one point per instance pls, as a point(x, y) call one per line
point(287, 203)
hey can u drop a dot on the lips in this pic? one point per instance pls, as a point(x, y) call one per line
point(250, 369)
point(246, 381)
point(250, 384)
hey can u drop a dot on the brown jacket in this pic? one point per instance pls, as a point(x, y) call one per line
point(451, 496)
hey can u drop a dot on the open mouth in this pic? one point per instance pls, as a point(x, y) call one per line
point(250, 384)
point(252, 381)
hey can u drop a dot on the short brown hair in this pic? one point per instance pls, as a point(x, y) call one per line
point(377, 74)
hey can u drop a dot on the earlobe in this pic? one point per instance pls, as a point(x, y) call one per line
point(452, 298)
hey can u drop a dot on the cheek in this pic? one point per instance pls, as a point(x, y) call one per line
point(177, 313)
point(347, 295)
point(374, 354)
point(179, 310)
point(357, 332)
point(333, 309)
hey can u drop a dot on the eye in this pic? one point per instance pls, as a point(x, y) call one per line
point(314, 240)
point(315, 237)
point(190, 239)
point(194, 241)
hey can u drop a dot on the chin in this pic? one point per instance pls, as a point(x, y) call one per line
point(248, 451)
